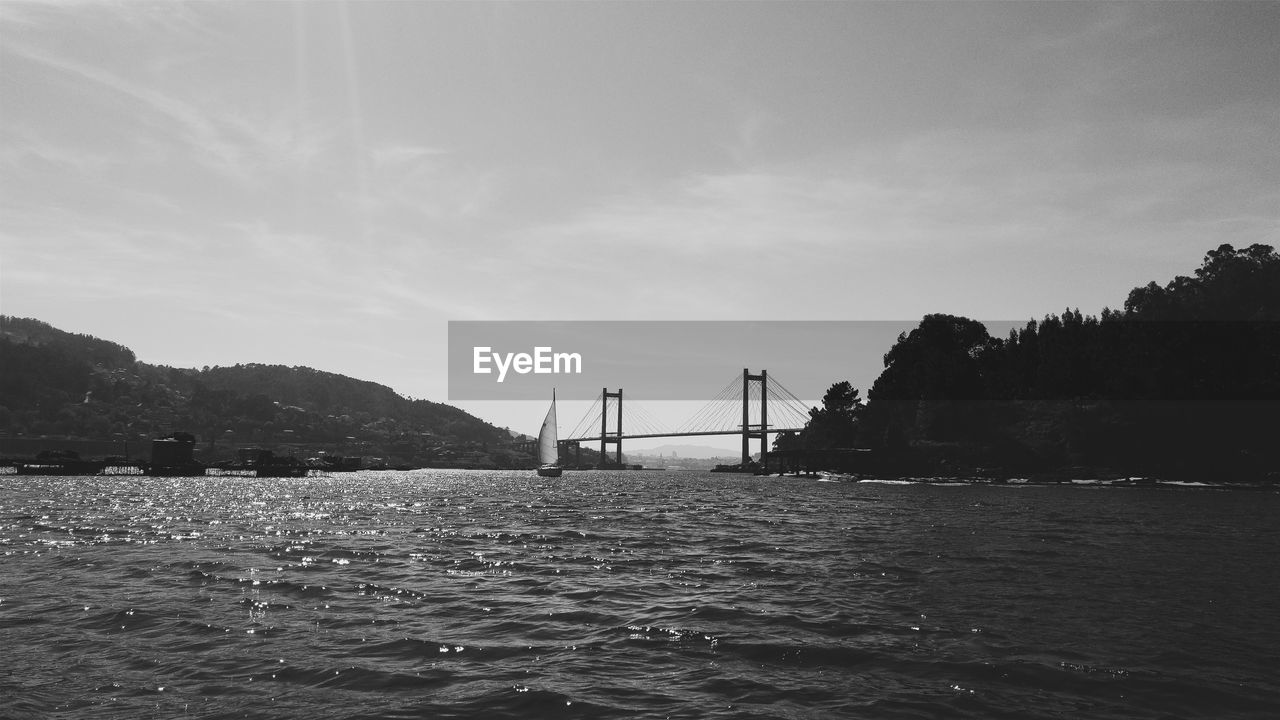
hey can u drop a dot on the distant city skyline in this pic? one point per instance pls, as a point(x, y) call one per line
point(329, 184)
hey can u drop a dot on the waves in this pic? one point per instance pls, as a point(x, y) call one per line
point(604, 595)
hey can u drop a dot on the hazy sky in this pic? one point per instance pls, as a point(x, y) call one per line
point(327, 184)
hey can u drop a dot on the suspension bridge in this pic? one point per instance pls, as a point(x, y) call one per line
point(754, 406)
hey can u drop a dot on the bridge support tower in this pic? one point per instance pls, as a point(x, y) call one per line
point(565, 448)
point(606, 437)
point(762, 430)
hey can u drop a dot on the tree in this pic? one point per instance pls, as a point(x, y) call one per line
point(936, 364)
point(936, 361)
point(1231, 284)
point(834, 425)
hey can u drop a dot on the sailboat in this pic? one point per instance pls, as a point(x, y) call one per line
point(548, 447)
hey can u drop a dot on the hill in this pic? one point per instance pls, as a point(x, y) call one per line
point(1183, 382)
point(71, 386)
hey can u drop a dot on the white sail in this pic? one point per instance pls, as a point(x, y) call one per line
point(548, 452)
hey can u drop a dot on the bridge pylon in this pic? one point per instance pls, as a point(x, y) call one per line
point(565, 448)
point(605, 437)
point(762, 430)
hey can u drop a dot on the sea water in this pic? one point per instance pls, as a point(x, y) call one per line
point(633, 595)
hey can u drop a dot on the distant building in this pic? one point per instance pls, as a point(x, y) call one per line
point(177, 450)
point(255, 456)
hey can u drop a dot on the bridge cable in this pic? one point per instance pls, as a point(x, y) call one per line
point(786, 409)
point(701, 419)
point(589, 420)
point(637, 415)
point(796, 410)
point(710, 417)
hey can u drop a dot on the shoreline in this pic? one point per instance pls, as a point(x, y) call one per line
point(1043, 481)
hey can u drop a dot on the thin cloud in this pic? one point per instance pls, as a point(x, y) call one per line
point(23, 146)
point(399, 155)
point(230, 144)
point(419, 186)
point(990, 200)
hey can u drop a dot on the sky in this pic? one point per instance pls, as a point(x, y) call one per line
point(329, 184)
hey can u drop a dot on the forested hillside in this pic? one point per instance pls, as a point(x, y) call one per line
point(62, 385)
point(1185, 380)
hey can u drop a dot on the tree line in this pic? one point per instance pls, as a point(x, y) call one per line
point(1184, 380)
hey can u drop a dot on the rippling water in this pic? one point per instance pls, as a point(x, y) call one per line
point(608, 595)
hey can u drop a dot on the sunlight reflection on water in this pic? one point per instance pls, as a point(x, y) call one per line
point(497, 594)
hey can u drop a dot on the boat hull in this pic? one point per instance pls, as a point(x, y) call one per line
point(549, 471)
